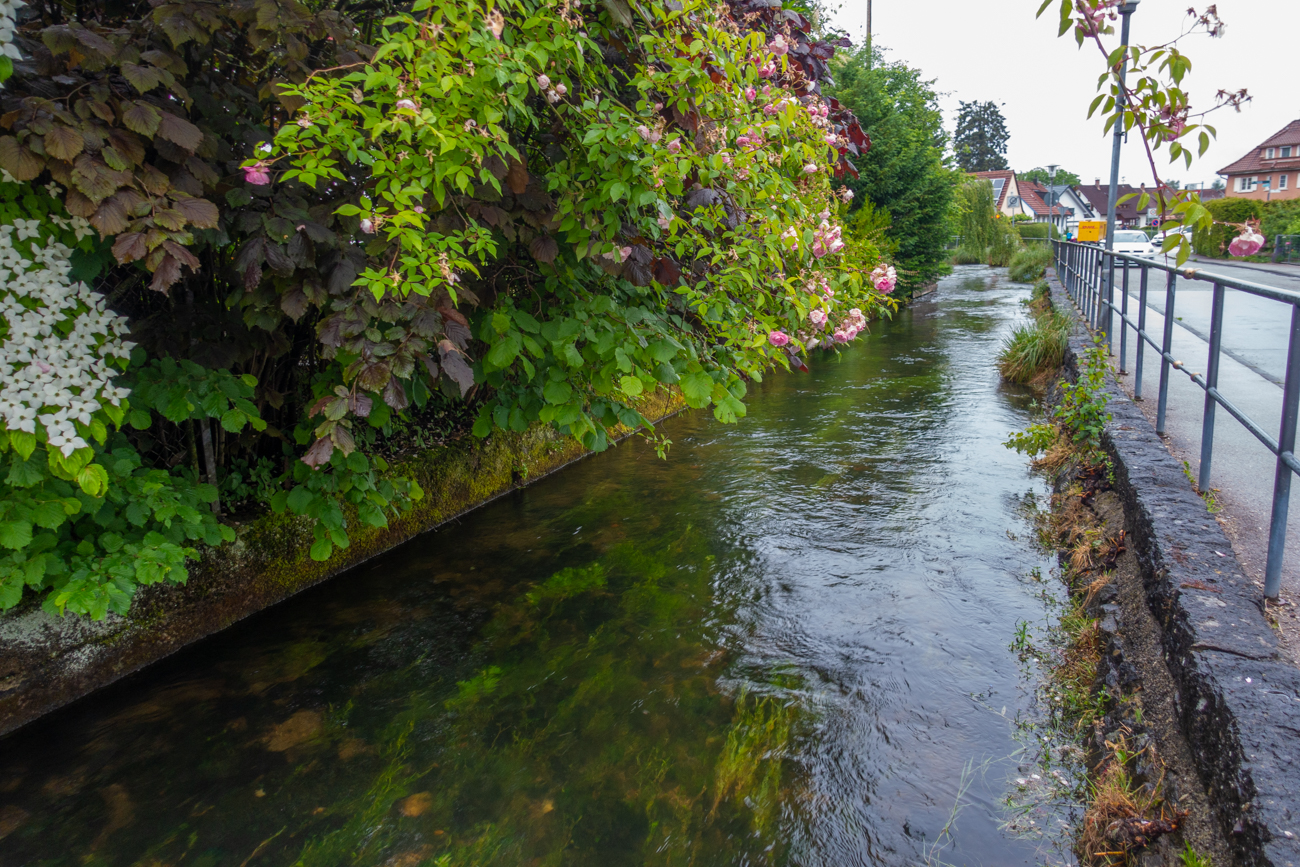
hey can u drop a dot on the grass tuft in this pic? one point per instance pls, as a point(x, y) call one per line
point(1030, 263)
point(1035, 348)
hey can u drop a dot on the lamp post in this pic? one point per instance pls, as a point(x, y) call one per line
point(1126, 11)
point(1051, 196)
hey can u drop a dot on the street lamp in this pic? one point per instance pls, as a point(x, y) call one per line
point(1126, 11)
point(1051, 195)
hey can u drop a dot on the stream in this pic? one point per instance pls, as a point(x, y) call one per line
point(788, 643)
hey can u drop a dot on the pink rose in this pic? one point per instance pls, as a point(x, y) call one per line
point(841, 337)
point(258, 173)
point(817, 317)
point(810, 169)
point(750, 93)
point(778, 338)
point(778, 45)
point(675, 146)
point(1248, 243)
point(543, 81)
point(408, 104)
point(368, 225)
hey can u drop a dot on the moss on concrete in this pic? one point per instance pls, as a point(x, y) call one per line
point(50, 661)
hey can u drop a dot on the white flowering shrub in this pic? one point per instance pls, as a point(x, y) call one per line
point(8, 50)
point(81, 520)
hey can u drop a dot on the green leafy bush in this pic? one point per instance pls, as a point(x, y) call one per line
point(324, 229)
point(1037, 230)
point(1213, 241)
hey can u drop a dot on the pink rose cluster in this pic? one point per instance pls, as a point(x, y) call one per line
point(749, 139)
point(850, 327)
point(827, 239)
point(553, 94)
point(1248, 243)
point(884, 278)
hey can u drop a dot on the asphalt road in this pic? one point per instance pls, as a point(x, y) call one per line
point(1256, 333)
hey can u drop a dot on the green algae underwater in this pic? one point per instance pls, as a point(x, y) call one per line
point(783, 645)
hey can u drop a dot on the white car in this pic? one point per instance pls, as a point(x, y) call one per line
point(1134, 243)
point(1159, 238)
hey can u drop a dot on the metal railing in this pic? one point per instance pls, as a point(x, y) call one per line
point(1286, 248)
point(1088, 273)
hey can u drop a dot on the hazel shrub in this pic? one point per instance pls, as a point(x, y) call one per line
point(660, 179)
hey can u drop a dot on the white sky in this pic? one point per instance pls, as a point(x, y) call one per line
point(996, 50)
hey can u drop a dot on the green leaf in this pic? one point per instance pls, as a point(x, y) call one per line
point(139, 419)
point(110, 542)
point(23, 442)
point(557, 392)
point(93, 479)
point(15, 534)
point(299, 499)
point(24, 474)
point(697, 388)
point(505, 350)
point(321, 549)
point(49, 514)
point(233, 420)
point(631, 386)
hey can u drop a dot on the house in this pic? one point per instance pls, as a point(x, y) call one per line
point(1076, 206)
point(1269, 171)
point(1005, 190)
point(1126, 213)
point(1012, 197)
point(1034, 199)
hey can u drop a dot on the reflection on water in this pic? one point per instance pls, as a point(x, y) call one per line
point(782, 645)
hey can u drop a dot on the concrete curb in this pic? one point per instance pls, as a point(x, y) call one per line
point(1238, 700)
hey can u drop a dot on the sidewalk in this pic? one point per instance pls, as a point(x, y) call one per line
point(1283, 269)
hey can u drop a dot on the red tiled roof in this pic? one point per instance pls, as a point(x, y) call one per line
point(1097, 195)
point(1254, 162)
point(1005, 174)
point(1031, 192)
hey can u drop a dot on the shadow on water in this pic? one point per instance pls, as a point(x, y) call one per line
point(786, 644)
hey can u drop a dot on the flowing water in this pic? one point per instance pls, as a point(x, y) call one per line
point(786, 644)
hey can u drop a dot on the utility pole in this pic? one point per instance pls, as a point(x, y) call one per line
point(1127, 10)
point(868, 22)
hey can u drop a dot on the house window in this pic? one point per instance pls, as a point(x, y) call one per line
point(1286, 151)
point(1241, 185)
point(1281, 182)
point(1270, 154)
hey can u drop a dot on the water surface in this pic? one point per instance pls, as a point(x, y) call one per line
point(786, 644)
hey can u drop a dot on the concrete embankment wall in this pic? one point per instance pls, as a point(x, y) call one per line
point(47, 662)
point(1237, 697)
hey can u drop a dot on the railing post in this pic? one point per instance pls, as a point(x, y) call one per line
point(1123, 324)
point(1141, 336)
point(1282, 476)
point(1165, 346)
point(1211, 382)
point(1108, 308)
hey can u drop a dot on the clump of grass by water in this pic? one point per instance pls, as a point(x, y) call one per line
point(1036, 348)
point(967, 255)
point(1030, 263)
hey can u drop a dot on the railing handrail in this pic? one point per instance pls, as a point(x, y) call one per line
point(1087, 271)
point(1286, 296)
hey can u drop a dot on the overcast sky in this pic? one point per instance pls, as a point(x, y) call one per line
point(996, 50)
